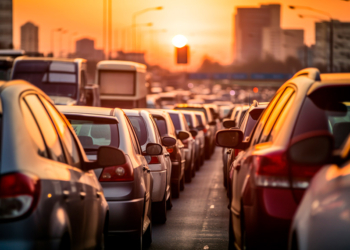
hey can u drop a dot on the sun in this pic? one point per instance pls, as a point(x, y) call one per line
point(179, 41)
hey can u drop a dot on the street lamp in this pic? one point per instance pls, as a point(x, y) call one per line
point(134, 22)
point(293, 7)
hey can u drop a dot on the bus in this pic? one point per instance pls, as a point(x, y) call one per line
point(63, 80)
point(122, 84)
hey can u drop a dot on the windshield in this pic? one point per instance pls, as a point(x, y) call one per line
point(54, 78)
point(176, 120)
point(94, 133)
point(140, 128)
point(326, 113)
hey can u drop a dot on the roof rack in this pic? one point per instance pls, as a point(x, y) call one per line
point(312, 73)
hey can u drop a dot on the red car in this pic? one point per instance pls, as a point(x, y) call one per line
point(266, 187)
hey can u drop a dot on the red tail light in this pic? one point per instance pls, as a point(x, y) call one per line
point(302, 175)
point(271, 170)
point(154, 160)
point(170, 150)
point(19, 195)
point(120, 173)
point(236, 152)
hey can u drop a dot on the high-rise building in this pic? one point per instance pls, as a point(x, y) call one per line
point(30, 37)
point(6, 24)
point(341, 45)
point(85, 48)
point(249, 25)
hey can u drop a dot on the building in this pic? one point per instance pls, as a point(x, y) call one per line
point(30, 37)
point(131, 56)
point(249, 25)
point(6, 24)
point(85, 48)
point(341, 45)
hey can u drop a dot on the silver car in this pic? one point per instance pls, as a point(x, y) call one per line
point(160, 165)
point(49, 195)
point(180, 124)
point(127, 186)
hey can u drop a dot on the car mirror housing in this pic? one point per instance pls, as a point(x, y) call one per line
point(313, 148)
point(227, 123)
point(168, 141)
point(229, 138)
point(194, 132)
point(110, 156)
point(183, 135)
point(154, 149)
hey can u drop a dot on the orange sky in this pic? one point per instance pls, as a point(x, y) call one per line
point(206, 23)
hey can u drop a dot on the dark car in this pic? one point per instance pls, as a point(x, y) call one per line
point(210, 139)
point(268, 188)
point(50, 197)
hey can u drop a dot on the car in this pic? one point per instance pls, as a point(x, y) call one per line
point(249, 120)
point(180, 124)
point(177, 154)
point(128, 184)
point(321, 220)
point(268, 188)
point(211, 130)
point(194, 124)
point(63, 80)
point(160, 165)
point(50, 197)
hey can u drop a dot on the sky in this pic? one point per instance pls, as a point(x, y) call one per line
point(207, 24)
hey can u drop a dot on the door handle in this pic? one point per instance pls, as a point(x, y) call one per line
point(146, 169)
point(82, 194)
point(98, 194)
point(65, 194)
point(167, 155)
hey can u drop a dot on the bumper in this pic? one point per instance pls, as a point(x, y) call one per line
point(159, 185)
point(177, 171)
point(125, 216)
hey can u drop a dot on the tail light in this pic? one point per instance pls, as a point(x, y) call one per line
point(153, 160)
point(170, 150)
point(236, 152)
point(120, 173)
point(302, 175)
point(19, 195)
point(271, 170)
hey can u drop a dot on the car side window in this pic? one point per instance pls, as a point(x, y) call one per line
point(275, 114)
point(47, 128)
point(158, 138)
point(134, 140)
point(33, 130)
point(281, 118)
point(66, 135)
point(185, 122)
point(260, 125)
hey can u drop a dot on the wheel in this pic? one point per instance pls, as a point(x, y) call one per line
point(169, 203)
point(65, 242)
point(159, 210)
point(102, 241)
point(207, 153)
point(175, 190)
point(182, 183)
point(225, 176)
point(147, 236)
point(231, 237)
point(202, 159)
point(188, 175)
point(198, 163)
point(194, 171)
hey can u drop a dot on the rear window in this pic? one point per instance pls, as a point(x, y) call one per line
point(199, 118)
point(195, 109)
point(94, 133)
point(327, 110)
point(140, 128)
point(252, 119)
point(189, 120)
point(176, 120)
point(161, 125)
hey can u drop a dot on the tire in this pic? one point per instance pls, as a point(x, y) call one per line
point(182, 183)
point(188, 175)
point(231, 237)
point(198, 163)
point(65, 243)
point(159, 211)
point(194, 171)
point(225, 176)
point(169, 203)
point(175, 190)
point(147, 236)
point(103, 240)
point(202, 160)
point(207, 153)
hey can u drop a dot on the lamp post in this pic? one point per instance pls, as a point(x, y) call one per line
point(52, 39)
point(331, 31)
point(134, 22)
point(60, 44)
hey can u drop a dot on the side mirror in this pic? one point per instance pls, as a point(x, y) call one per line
point(154, 149)
point(200, 127)
point(183, 135)
point(212, 123)
point(311, 149)
point(229, 138)
point(168, 141)
point(194, 132)
point(110, 156)
point(227, 123)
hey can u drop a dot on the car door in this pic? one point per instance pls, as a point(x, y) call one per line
point(69, 177)
point(146, 176)
point(89, 189)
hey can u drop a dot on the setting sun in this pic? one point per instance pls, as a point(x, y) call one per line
point(179, 41)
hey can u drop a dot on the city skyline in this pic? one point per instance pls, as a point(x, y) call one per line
point(84, 19)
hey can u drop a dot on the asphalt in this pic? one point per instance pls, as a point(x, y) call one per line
point(199, 218)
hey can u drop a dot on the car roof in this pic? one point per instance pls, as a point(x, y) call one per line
point(127, 65)
point(26, 58)
point(132, 112)
point(89, 110)
point(185, 105)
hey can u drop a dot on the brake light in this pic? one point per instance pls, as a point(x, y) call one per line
point(271, 170)
point(302, 175)
point(120, 173)
point(19, 195)
point(170, 150)
point(236, 152)
point(154, 160)
point(205, 130)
